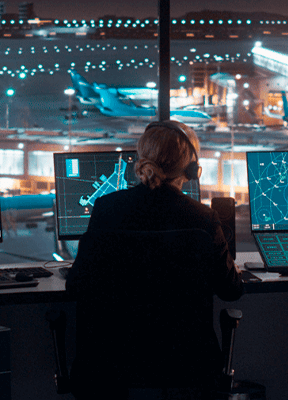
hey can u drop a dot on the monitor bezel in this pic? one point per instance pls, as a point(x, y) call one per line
point(1, 226)
point(74, 154)
point(283, 270)
point(249, 197)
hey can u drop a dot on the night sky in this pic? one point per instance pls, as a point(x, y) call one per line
point(89, 9)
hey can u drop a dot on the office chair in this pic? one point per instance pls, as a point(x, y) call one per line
point(144, 314)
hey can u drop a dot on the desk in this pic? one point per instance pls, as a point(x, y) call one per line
point(271, 282)
point(260, 355)
point(32, 354)
point(50, 289)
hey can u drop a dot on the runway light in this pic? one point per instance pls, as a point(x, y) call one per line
point(151, 85)
point(69, 91)
point(10, 92)
point(182, 78)
point(22, 75)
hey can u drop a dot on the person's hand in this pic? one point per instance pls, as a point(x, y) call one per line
point(237, 269)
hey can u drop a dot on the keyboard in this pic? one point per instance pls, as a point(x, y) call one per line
point(37, 272)
point(8, 282)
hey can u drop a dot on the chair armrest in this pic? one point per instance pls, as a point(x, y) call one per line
point(57, 324)
point(229, 321)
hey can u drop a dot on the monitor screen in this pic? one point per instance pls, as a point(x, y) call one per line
point(268, 190)
point(80, 178)
point(1, 232)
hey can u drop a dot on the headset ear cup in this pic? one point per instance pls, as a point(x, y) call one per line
point(191, 171)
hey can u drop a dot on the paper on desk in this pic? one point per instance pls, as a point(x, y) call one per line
point(267, 276)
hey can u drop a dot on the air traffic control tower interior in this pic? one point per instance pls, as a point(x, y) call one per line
point(76, 88)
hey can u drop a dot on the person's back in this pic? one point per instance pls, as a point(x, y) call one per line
point(167, 158)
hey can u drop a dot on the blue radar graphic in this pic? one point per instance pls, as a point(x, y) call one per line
point(268, 189)
point(115, 182)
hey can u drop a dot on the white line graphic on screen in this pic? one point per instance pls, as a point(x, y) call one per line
point(115, 182)
point(268, 180)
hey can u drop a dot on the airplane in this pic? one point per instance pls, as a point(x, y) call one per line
point(27, 208)
point(285, 108)
point(109, 102)
point(118, 102)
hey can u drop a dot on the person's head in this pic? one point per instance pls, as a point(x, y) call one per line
point(167, 153)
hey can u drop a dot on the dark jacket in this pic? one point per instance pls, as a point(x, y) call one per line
point(166, 208)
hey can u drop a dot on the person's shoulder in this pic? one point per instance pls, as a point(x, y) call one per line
point(121, 194)
point(197, 205)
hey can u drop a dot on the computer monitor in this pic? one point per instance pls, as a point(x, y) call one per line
point(1, 232)
point(268, 194)
point(80, 178)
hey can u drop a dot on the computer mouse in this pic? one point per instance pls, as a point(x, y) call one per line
point(23, 277)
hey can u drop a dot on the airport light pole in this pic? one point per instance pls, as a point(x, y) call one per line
point(9, 93)
point(69, 92)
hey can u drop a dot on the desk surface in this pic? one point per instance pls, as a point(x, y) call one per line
point(52, 289)
point(48, 290)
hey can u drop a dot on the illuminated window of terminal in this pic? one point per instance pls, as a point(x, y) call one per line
point(209, 171)
point(11, 162)
point(40, 163)
point(239, 172)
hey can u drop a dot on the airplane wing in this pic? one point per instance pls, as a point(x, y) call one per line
point(272, 115)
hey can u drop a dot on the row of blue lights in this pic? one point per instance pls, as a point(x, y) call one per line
point(69, 49)
point(146, 22)
point(22, 72)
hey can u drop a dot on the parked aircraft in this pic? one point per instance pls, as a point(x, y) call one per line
point(29, 209)
point(285, 109)
point(109, 102)
point(119, 103)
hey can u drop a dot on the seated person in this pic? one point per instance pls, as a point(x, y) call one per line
point(168, 157)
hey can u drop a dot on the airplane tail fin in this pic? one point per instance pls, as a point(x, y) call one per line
point(82, 86)
point(285, 105)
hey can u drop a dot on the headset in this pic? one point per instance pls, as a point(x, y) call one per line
point(193, 170)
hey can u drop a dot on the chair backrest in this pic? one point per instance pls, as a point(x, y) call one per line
point(145, 304)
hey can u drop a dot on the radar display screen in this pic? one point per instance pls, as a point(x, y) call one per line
point(268, 190)
point(80, 178)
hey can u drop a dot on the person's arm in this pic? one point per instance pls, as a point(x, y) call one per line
point(227, 283)
point(79, 273)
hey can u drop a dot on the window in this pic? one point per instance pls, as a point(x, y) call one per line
point(11, 162)
point(209, 171)
point(239, 172)
point(41, 163)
